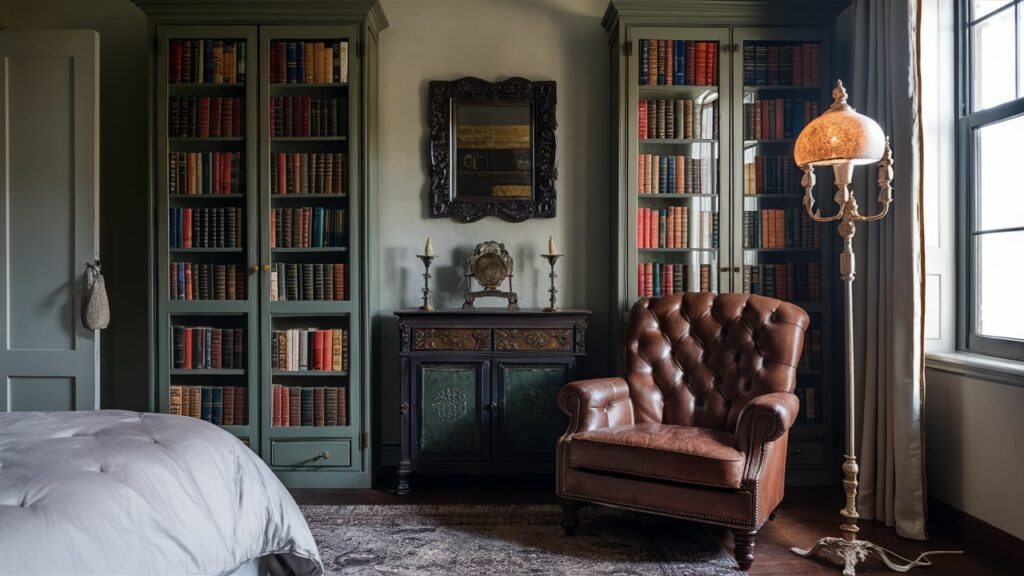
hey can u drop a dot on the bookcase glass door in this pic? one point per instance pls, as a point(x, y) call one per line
point(309, 238)
point(675, 178)
point(205, 245)
point(786, 81)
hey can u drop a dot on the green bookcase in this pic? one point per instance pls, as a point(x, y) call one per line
point(286, 205)
point(722, 247)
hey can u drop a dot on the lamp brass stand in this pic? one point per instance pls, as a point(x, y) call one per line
point(841, 138)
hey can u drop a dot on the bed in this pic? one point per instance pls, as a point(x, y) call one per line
point(117, 492)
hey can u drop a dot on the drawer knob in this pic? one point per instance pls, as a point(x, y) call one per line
point(493, 406)
point(325, 455)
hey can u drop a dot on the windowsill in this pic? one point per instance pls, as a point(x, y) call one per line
point(977, 366)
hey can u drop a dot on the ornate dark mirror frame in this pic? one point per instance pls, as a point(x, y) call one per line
point(444, 202)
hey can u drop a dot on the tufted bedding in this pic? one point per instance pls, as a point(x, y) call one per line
point(115, 492)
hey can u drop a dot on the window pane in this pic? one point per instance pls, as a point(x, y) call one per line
point(998, 289)
point(1000, 203)
point(994, 48)
point(981, 7)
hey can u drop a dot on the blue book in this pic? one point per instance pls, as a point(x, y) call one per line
point(206, 406)
point(643, 62)
point(679, 66)
point(174, 228)
point(671, 175)
point(181, 279)
point(217, 405)
point(291, 62)
point(662, 174)
point(207, 347)
point(318, 228)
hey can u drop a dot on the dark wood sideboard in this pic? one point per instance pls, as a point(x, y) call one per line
point(480, 388)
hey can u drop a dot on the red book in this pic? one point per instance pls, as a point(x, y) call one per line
point(241, 406)
point(691, 57)
point(342, 407)
point(711, 77)
point(670, 58)
point(204, 116)
point(642, 106)
point(186, 225)
point(305, 100)
point(228, 117)
point(327, 351)
point(701, 63)
point(653, 226)
point(275, 417)
point(285, 409)
point(780, 118)
point(216, 106)
point(798, 66)
point(175, 65)
point(318, 350)
point(188, 348)
point(188, 281)
point(237, 108)
point(273, 64)
point(318, 406)
point(228, 406)
point(765, 133)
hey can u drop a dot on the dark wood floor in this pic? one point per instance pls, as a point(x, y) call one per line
point(805, 515)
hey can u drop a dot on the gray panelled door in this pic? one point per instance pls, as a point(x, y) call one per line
point(49, 182)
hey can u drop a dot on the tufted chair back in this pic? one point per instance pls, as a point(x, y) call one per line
point(697, 358)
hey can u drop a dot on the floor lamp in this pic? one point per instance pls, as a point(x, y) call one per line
point(841, 138)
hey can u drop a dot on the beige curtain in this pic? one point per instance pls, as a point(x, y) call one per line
point(889, 289)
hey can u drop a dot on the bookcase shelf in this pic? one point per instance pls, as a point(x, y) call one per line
point(758, 81)
point(207, 372)
point(310, 373)
point(195, 41)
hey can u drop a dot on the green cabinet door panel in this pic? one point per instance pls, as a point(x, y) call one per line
point(450, 409)
point(531, 418)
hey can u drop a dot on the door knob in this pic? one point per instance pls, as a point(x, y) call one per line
point(493, 406)
point(266, 267)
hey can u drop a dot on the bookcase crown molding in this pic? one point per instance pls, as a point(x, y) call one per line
point(266, 12)
point(723, 12)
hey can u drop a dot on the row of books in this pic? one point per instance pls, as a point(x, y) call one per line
point(220, 405)
point(793, 281)
point(206, 61)
point(670, 228)
point(781, 63)
point(206, 117)
point(194, 281)
point(771, 175)
point(206, 227)
point(308, 406)
point(661, 279)
point(317, 282)
point(302, 349)
point(780, 228)
point(676, 174)
point(307, 227)
point(696, 119)
point(678, 62)
point(304, 116)
point(810, 411)
point(811, 357)
point(309, 173)
point(307, 62)
point(777, 117)
point(206, 347)
point(205, 173)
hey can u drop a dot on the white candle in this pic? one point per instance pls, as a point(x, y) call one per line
point(551, 246)
point(428, 250)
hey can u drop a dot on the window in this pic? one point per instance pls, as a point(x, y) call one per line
point(990, 138)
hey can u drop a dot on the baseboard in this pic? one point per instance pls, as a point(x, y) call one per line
point(975, 534)
point(389, 455)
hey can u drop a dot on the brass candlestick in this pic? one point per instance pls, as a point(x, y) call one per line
point(426, 281)
point(552, 258)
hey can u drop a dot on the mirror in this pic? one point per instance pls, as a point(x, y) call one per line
point(492, 149)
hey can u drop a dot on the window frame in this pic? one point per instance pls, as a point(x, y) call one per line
point(967, 122)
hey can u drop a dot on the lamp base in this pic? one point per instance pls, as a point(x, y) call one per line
point(849, 553)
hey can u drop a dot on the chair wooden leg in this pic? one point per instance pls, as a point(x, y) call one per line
point(570, 516)
point(743, 541)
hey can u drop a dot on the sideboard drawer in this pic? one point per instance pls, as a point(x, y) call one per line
point(533, 339)
point(456, 339)
point(314, 452)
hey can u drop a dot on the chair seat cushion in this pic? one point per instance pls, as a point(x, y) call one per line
point(678, 453)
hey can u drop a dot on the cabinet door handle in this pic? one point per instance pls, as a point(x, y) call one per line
point(266, 267)
point(254, 268)
point(493, 406)
point(403, 408)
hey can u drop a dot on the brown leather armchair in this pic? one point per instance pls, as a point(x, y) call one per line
point(698, 427)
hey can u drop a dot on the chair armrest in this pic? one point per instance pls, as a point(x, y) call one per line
point(766, 418)
point(598, 403)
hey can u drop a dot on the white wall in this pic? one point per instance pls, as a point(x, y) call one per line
point(975, 447)
point(560, 40)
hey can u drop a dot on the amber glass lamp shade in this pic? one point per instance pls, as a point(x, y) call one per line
point(839, 136)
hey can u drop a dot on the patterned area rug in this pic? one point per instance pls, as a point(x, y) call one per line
point(512, 539)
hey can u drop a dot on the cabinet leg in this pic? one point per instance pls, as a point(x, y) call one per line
point(404, 471)
point(570, 516)
point(743, 540)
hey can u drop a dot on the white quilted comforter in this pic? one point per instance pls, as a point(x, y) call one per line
point(115, 492)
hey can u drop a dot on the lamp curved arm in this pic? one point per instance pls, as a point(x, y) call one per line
point(807, 181)
point(885, 174)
